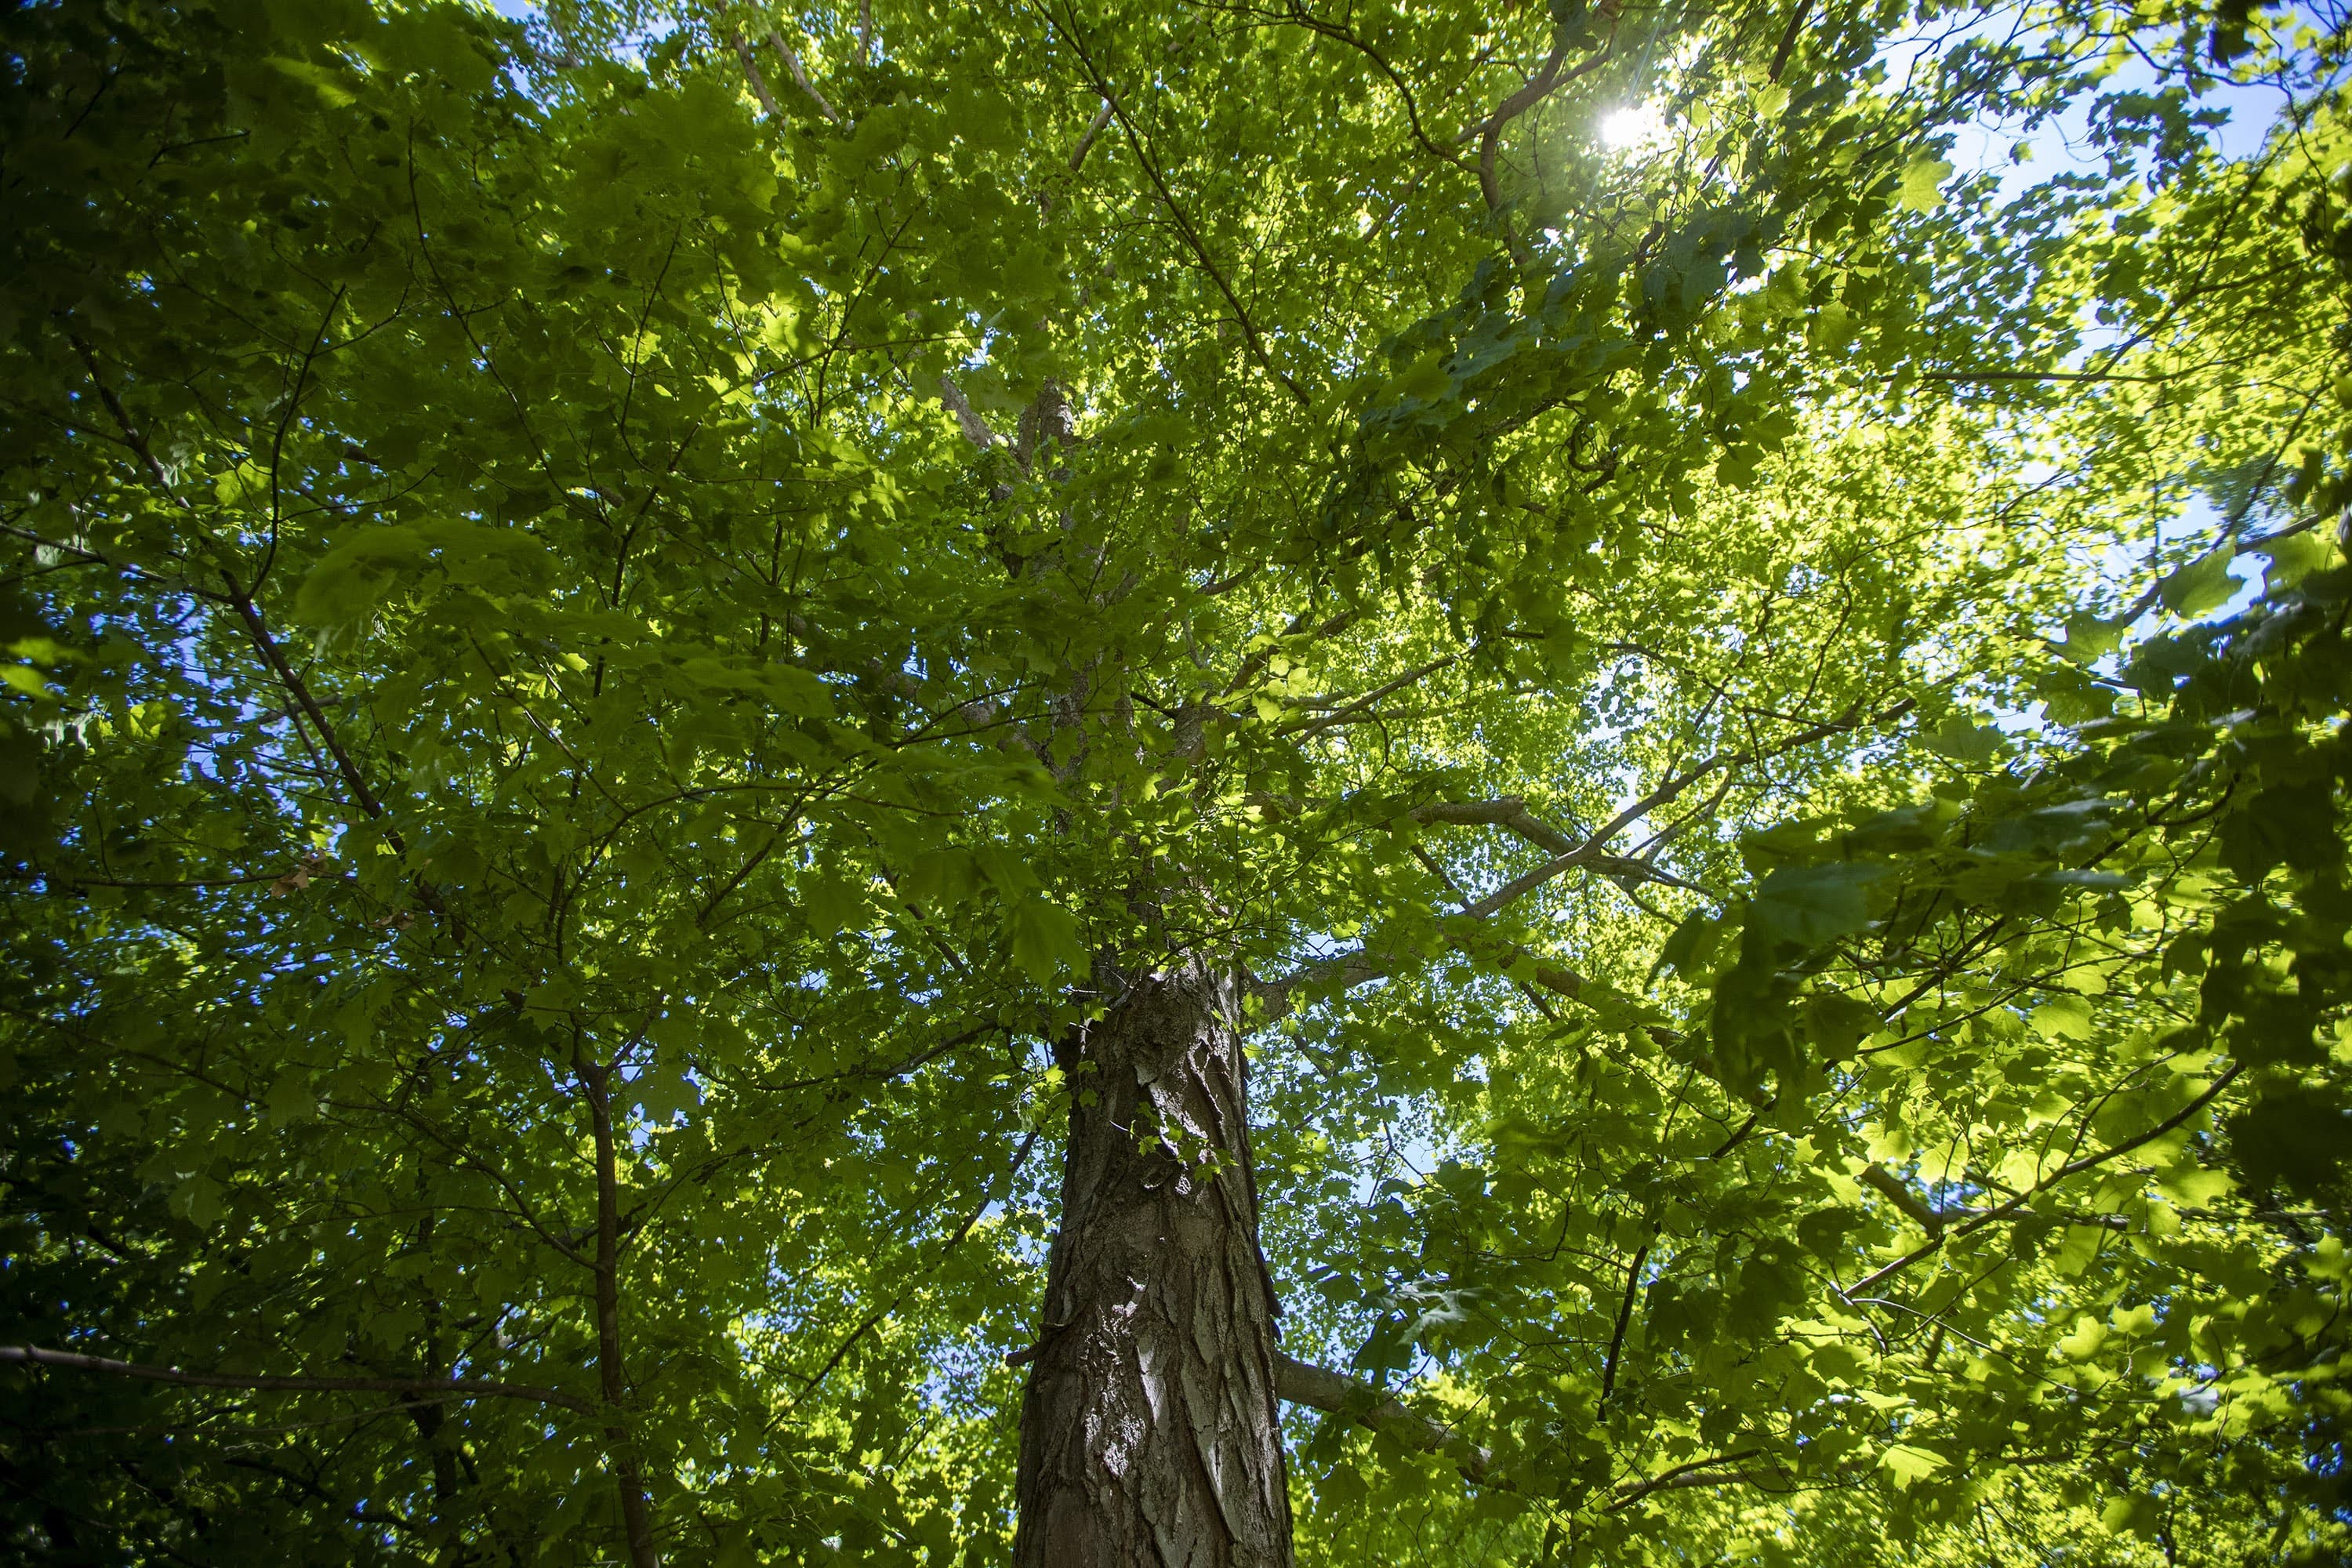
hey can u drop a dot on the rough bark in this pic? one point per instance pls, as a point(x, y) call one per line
point(1149, 1433)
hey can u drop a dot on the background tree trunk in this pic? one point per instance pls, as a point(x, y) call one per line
point(1149, 1433)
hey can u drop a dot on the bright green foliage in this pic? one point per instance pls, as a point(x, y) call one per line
point(559, 782)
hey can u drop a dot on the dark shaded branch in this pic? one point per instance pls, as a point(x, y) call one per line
point(1339, 715)
point(122, 416)
point(1340, 32)
point(955, 1240)
point(1697, 1473)
point(1892, 1189)
point(1624, 1321)
point(628, 1475)
point(1543, 83)
point(1334, 1394)
point(431, 1387)
point(363, 796)
point(2072, 1167)
point(1966, 376)
point(1788, 40)
point(1509, 812)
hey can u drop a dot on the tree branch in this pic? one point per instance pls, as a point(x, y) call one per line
point(1334, 1394)
point(636, 1511)
point(1341, 33)
point(443, 1387)
point(1570, 855)
point(1527, 882)
point(1892, 1189)
point(759, 82)
point(793, 64)
point(2075, 1167)
point(1339, 715)
point(247, 610)
point(1078, 153)
point(1668, 792)
point(1788, 40)
point(1183, 224)
point(975, 429)
point(1624, 1321)
point(1542, 85)
point(1094, 129)
point(364, 797)
point(1694, 1473)
point(1964, 375)
point(1509, 812)
point(122, 416)
point(1345, 971)
point(954, 1240)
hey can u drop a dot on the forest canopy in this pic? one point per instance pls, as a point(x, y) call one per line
point(1210, 782)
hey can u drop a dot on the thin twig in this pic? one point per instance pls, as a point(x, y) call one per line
point(1191, 236)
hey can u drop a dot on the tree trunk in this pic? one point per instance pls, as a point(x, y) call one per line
point(1149, 1433)
point(636, 1510)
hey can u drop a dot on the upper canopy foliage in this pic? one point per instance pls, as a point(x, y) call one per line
point(607, 643)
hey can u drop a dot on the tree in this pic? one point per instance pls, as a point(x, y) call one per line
point(660, 656)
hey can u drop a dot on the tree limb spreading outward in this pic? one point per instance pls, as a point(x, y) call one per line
point(422, 1388)
point(760, 89)
point(801, 76)
point(975, 429)
point(1336, 1394)
point(759, 79)
point(1317, 1388)
point(1542, 85)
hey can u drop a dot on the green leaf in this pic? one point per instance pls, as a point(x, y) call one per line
point(2298, 556)
point(2300, 1138)
point(1813, 904)
point(2084, 1343)
point(353, 578)
point(199, 1197)
point(2063, 1017)
point(2090, 638)
point(2203, 585)
point(1687, 950)
point(292, 1099)
point(1046, 939)
point(1907, 1462)
point(2138, 1516)
point(1965, 742)
point(1922, 180)
point(327, 84)
point(1427, 380)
